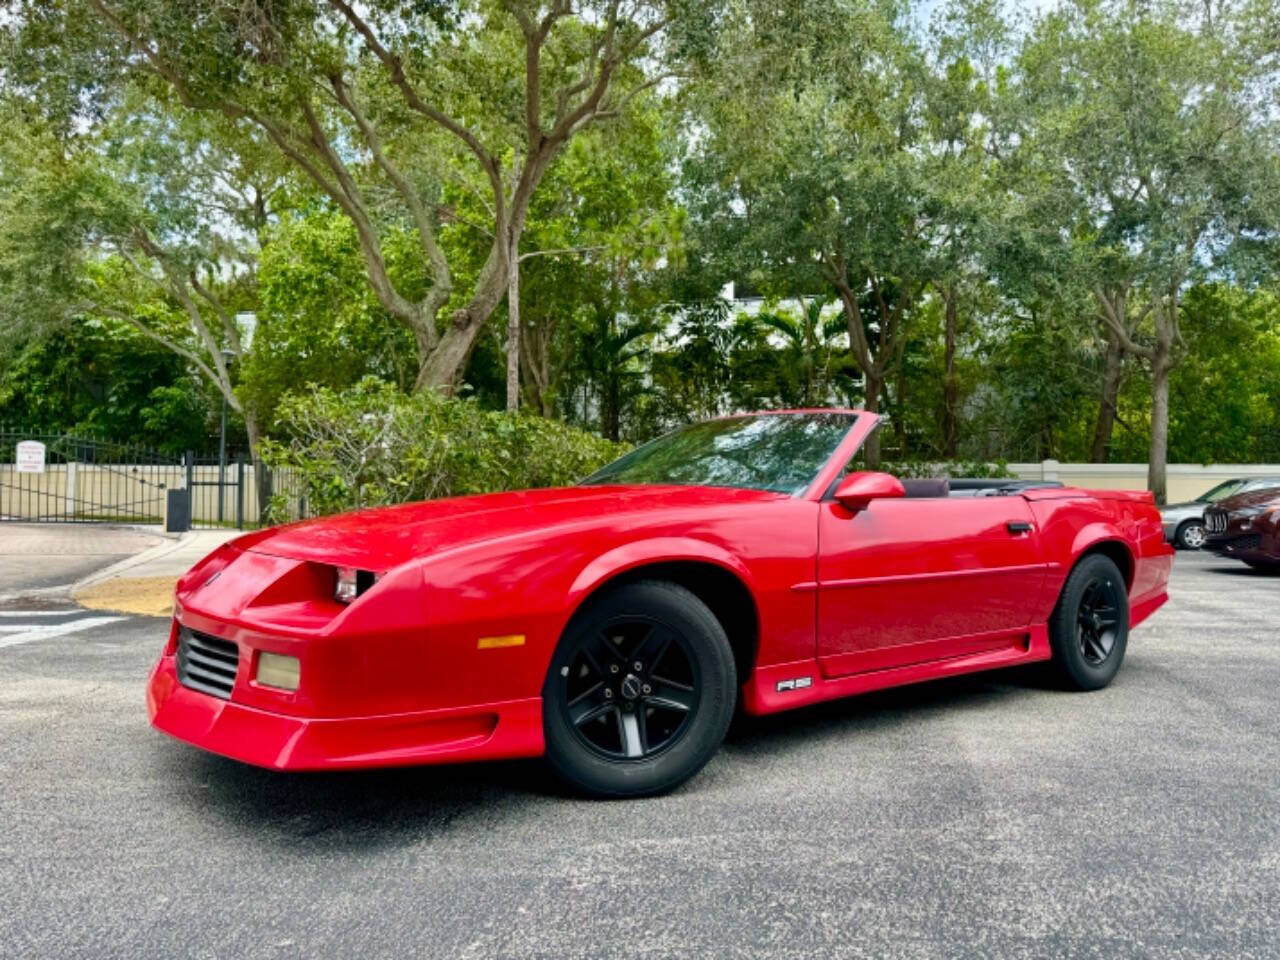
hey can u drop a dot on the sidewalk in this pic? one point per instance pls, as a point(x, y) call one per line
point(43, 560)
point(143, 584)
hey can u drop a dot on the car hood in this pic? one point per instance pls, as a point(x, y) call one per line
point(1191, 506)
point(1253, 498)
point(383, 538)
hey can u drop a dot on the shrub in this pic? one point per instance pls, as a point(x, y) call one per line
point(371, 445)
point(918, 469)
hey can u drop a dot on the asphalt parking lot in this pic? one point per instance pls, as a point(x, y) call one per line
point(985, 816)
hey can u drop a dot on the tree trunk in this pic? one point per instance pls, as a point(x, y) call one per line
point(950, 388)
point(871, 404)
point(1112, 371)
point(441, 367)
point(900, 408)
point(1159, 453)
point(513, 331)
point(609, 409)
point(251, 430)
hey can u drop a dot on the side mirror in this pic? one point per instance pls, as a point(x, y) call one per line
point(857, 490)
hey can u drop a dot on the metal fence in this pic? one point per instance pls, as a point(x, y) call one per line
point(85, 479)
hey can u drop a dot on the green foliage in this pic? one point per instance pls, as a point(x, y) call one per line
point(925, 469)
point(372, 445)
point(101, 376)
point(318, 321)
point(963, 199)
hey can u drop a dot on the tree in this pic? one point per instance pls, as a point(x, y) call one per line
point(144, 203)
point(1151, 125)
point(966, 110)
point(810, 340)
point(604, 219)
point(812, 166)
point(379, 104)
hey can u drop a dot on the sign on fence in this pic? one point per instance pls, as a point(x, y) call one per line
point(30, 457)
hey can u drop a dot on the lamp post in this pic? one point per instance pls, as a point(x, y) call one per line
point(222, 439)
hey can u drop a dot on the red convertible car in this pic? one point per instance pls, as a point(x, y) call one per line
point(615, 625)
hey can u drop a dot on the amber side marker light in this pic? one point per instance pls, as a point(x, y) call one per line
point(494, 643)
point(276, 670)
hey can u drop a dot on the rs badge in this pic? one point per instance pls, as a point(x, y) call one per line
point(798, 683)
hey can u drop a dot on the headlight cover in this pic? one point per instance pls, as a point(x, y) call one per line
point(351, 583)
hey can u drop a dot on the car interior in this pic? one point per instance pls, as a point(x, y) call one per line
point(935, 487)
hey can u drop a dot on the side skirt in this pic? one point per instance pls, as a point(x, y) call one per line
point(786, 686)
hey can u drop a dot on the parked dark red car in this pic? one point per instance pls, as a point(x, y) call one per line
point(1246, 527)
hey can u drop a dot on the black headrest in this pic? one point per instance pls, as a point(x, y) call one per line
point(930, 487)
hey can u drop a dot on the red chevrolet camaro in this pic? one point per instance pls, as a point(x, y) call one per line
point(613, 626)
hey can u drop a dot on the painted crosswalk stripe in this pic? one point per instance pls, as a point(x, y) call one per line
point(38, 632)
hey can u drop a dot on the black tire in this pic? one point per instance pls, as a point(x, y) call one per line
point(1190, 535)
point(658, 723)
point(1089, 628)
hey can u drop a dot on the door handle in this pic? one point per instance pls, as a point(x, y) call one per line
point(1017, 526)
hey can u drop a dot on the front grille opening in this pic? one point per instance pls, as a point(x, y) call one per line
point(206, 663)
point(1250, 541)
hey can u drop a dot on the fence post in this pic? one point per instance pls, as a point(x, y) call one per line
point(240, 491)
point(72, 489)
point(189, 461)
point(1049, 469)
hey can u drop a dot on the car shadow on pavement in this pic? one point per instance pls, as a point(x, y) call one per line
point(359, 808)
point(370, 809)
point(1243, 571)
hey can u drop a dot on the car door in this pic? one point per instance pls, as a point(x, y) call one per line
point(907, 581)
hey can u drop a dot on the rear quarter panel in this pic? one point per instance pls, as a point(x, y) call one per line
point(1072, 521)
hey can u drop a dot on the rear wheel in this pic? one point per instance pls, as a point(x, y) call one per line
point(640, 692)
point(1089, 628)
point(1191, 535)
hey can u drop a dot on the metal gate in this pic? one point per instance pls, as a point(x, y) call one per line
point(78, 479)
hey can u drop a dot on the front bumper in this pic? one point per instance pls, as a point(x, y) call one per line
point(296, 741)
point(1256, 547)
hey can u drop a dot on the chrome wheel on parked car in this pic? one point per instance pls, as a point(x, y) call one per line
point(1191, 535)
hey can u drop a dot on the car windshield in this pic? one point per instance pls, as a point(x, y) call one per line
point(1222, 490)
point(1261, 483)
point(781, 452)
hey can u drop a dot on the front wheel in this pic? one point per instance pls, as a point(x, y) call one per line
point(1090, 625)
point(640, 692)
point(1191, 535)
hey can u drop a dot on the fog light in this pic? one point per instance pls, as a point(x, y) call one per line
point(275, 670)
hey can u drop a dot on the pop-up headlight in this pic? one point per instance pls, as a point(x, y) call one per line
point(351, 583)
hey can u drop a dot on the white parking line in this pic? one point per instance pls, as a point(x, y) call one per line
point(31, 633)
point(20, 614)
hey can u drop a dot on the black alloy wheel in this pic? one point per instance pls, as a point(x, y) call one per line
point(630, 688)
point(639, 693)
point(1096, 619)
point(1089, 628)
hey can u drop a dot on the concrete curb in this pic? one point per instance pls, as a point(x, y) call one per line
point(62, 591)
point(120, 567)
